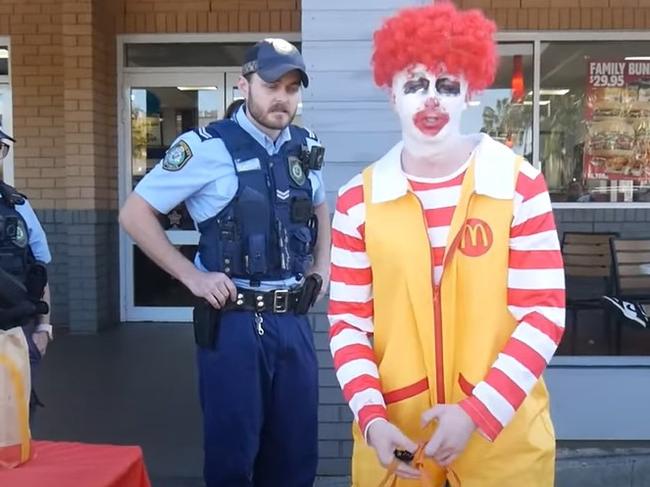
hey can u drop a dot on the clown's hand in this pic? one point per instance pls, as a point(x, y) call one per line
point(452, 434)
point(385, 438)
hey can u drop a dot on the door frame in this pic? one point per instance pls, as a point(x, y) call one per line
point(7, 126)
point(180, 76)
point(8, 122)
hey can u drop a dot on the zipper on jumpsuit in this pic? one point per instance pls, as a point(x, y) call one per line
point(437, 321)
point(437, 325)
point(437, 306)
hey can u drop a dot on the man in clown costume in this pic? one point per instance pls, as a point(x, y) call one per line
point(447, 294)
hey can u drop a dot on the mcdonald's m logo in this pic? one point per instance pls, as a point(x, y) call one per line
point(476, 238)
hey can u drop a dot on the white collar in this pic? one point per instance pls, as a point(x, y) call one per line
point(388, 180)
point(494, 165)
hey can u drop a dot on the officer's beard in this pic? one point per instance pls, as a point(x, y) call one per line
point(264, 117)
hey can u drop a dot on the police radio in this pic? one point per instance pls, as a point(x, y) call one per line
point(312, 159)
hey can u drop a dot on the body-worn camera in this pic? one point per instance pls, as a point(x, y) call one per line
point(312, 159)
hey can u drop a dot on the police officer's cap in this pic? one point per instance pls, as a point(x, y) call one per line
point(273, 58)
point(5, 135)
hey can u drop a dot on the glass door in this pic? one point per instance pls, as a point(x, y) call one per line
point(157, 108)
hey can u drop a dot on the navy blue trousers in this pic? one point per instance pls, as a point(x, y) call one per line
point(259, 395)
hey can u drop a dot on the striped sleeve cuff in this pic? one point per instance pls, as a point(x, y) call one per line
point(370, 414)
point(488, 425)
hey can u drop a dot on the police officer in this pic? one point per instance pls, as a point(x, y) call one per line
point(24, 250)
point(252, 184)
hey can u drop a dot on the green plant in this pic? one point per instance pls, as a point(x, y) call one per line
point(507, 120)
point(560, 129)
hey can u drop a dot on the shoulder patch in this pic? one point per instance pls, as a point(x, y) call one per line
point(177, 156)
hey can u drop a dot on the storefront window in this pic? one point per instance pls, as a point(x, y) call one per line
point(505, 111)
point(594, 120)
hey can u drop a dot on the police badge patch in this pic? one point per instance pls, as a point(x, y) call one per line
point(21, 234)
point(296, 172)
point(177, 156)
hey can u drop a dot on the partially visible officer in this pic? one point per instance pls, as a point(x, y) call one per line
point(24, 253)
point(252, 184)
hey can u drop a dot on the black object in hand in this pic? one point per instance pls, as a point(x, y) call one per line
point(404, 456)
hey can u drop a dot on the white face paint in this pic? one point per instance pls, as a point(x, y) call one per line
point(429, 107)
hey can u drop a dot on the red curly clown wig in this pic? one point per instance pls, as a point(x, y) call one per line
point(440, 37)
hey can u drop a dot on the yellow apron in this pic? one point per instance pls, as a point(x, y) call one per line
point(433, 343)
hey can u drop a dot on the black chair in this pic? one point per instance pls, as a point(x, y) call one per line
point(588, 271)
point(631, 265)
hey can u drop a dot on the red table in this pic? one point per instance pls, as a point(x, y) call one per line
point(63, 464)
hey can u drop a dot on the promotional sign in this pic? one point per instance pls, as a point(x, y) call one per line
point(617, 113)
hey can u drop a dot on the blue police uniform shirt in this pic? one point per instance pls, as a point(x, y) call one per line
point(207, 181)
point(37, 238)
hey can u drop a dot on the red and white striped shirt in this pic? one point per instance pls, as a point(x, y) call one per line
point(535, 297)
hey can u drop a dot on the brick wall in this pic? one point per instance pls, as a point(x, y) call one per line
point(149, 16)
point(90, 104)
point(564, 14)
point(37, 82)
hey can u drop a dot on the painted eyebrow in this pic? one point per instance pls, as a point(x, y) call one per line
point(414, 81)
point(416, 78)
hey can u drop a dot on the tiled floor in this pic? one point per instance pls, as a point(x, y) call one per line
point(134, 384)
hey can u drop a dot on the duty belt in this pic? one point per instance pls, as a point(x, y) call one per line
point(276, 301)
point(296, 300)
